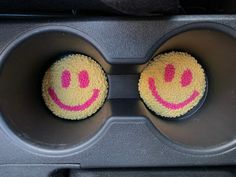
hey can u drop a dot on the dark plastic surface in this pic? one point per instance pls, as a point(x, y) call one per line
point(124, 133)
point(162, 172)
point(138, 7)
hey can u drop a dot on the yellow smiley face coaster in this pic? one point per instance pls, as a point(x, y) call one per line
point(74, 87)
point(172, 84)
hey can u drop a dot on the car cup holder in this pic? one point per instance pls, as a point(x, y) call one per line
point(208, 128)
point(21, 100)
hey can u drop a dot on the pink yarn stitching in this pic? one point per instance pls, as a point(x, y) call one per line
point(81, 107)
point(186, 78)
point(65, 79)
point(173, 106)
point(169, 72)
point(83, 78)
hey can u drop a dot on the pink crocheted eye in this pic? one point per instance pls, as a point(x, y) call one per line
point(83, 78)
point(65, 79)
point(186, 78)
point(169, 72)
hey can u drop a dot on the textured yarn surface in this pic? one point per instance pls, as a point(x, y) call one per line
point(74, 87)
point(172, 84)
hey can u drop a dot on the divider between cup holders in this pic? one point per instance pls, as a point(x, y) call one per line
point(26, 60)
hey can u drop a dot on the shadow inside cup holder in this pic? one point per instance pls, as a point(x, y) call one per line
point(26, 61)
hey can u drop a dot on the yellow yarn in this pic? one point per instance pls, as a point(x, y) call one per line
point(173, 91)
point(74, 94)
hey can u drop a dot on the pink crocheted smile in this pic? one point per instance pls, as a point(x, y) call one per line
point(80, 107)
point(83, 80)
point(172, 106)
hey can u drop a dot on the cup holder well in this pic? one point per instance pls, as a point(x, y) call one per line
point(212, 127)
point(22, 106)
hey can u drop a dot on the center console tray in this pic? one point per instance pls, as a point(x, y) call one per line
point(123, 133)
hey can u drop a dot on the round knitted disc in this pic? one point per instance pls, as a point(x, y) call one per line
point(172, 84)
point(74, 87)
